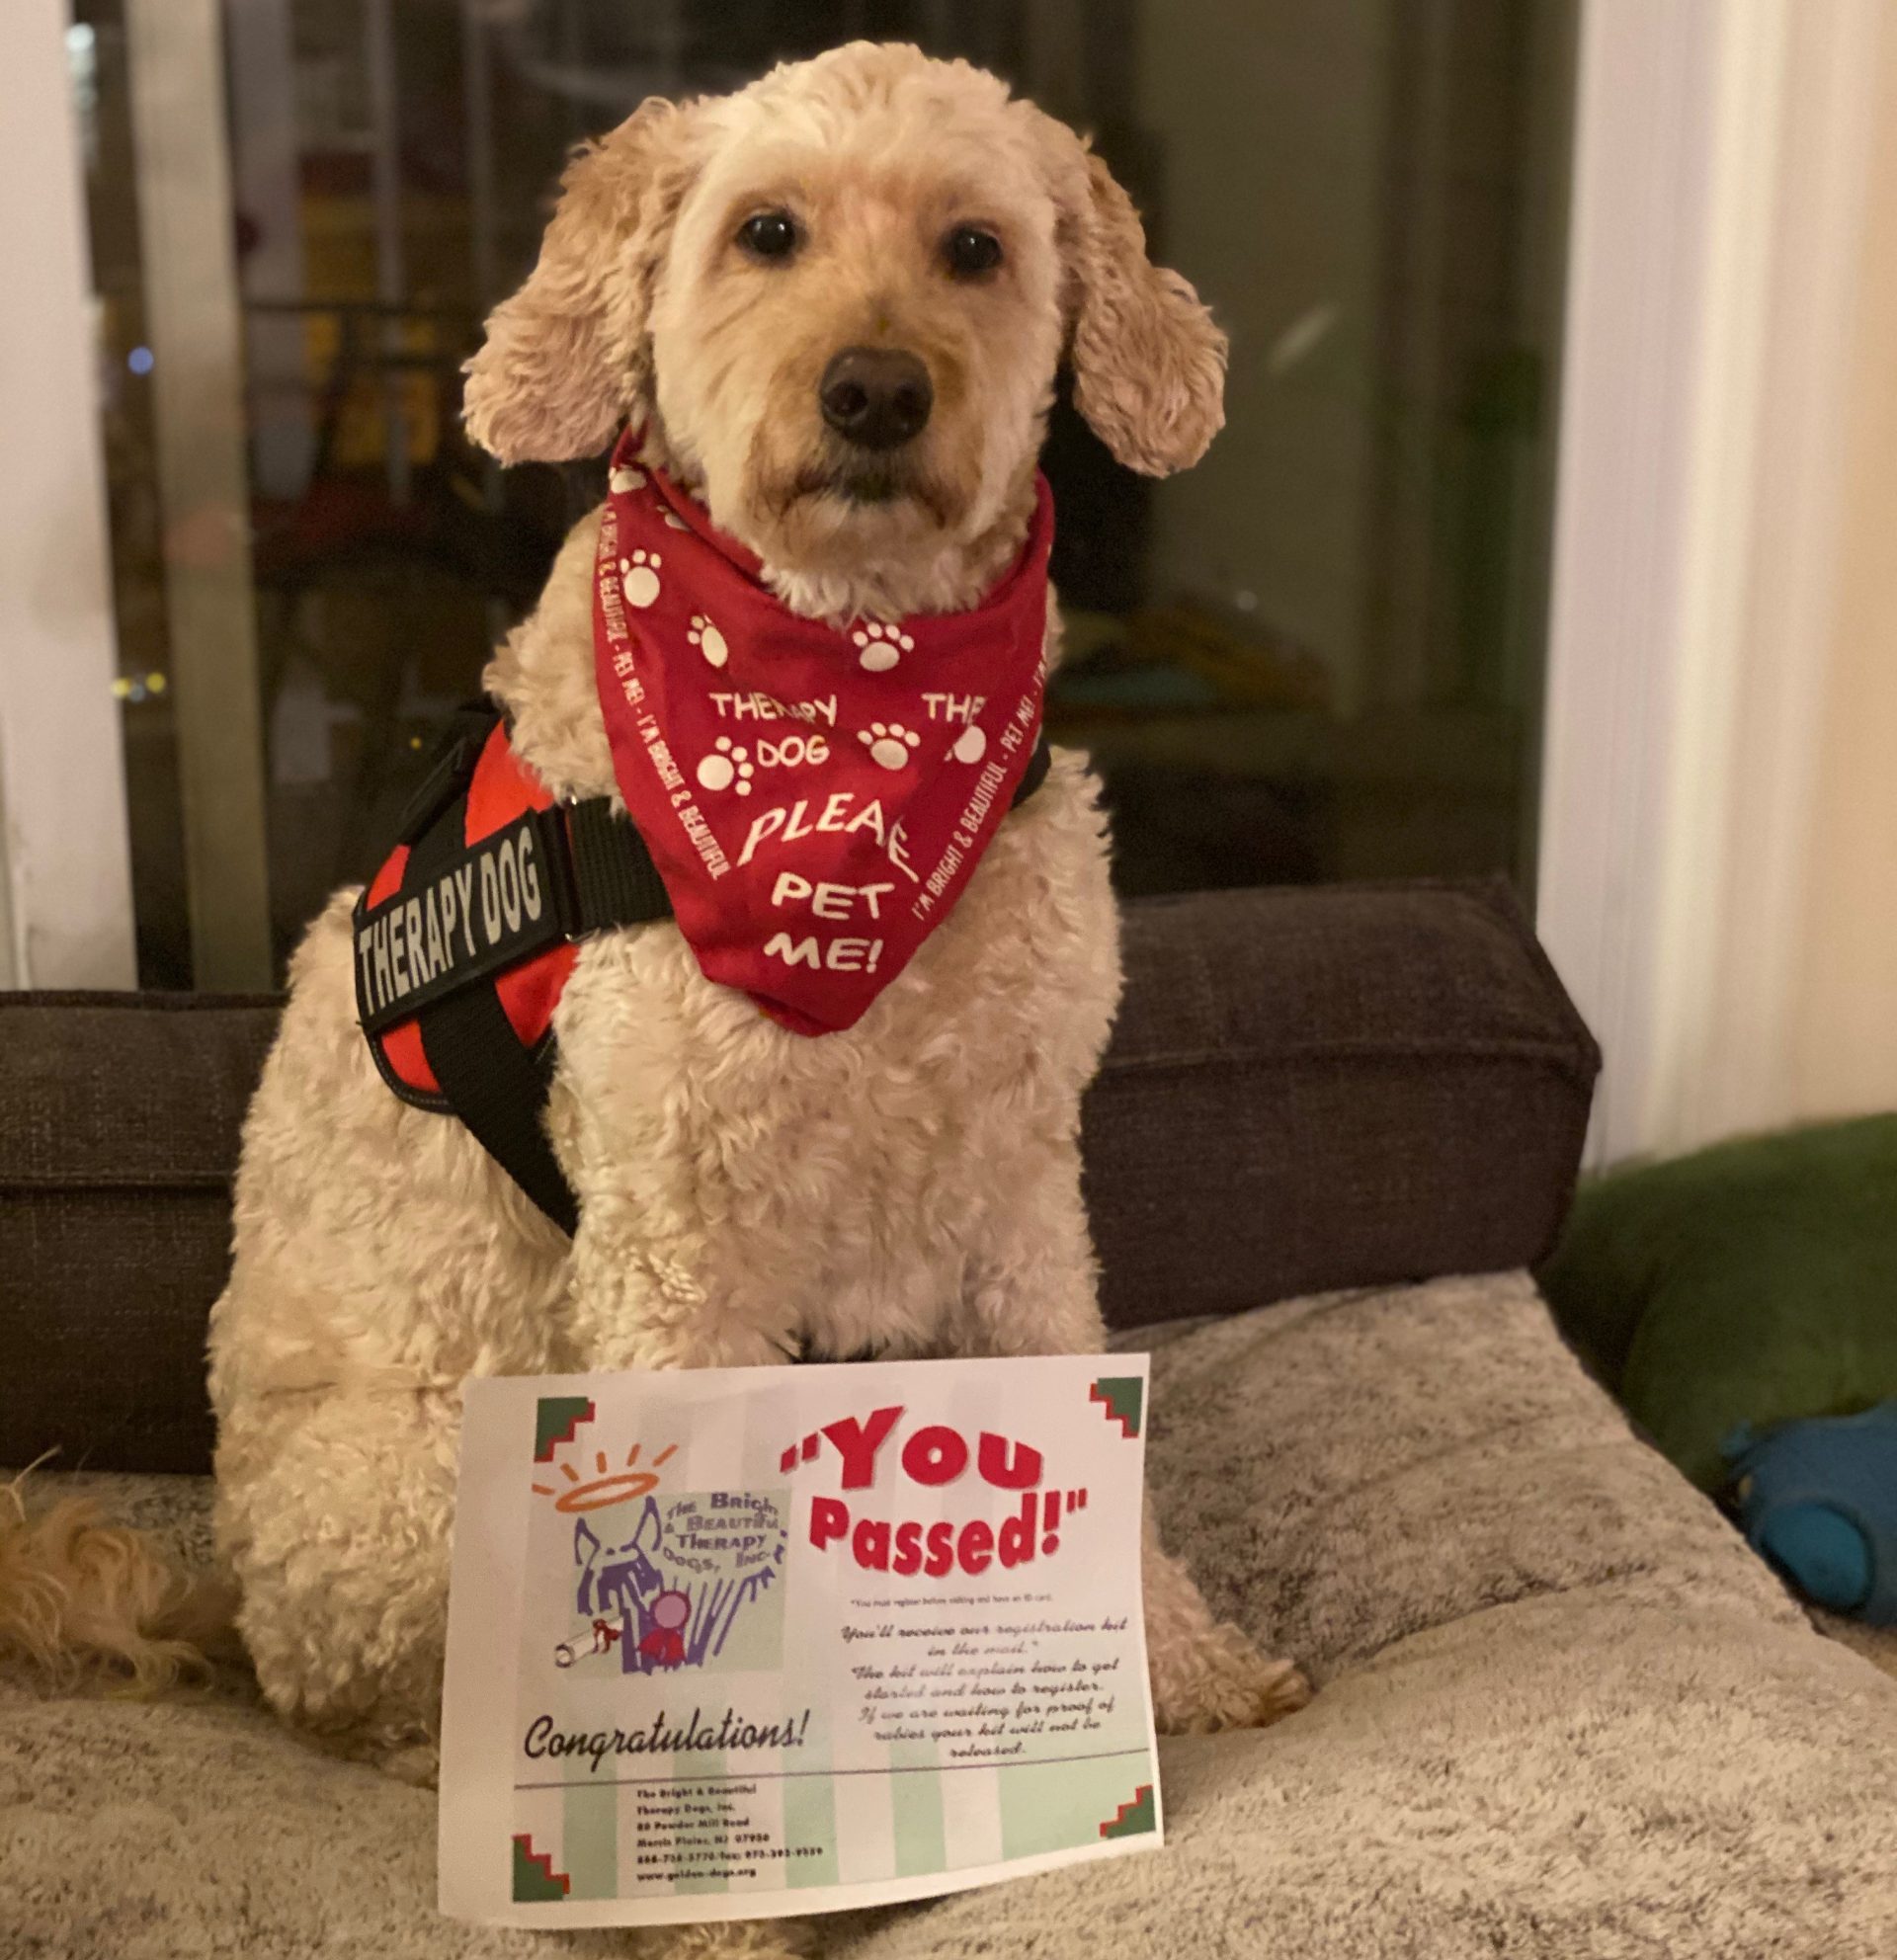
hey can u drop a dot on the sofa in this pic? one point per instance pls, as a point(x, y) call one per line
point(1563, 1711)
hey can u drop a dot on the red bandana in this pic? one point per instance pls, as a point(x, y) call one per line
point(814, 798)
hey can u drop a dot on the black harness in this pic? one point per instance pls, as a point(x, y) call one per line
point(464, 914)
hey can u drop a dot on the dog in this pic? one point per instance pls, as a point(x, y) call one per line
point(907, 1186)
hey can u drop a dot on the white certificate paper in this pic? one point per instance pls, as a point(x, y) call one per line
point(733, 1643)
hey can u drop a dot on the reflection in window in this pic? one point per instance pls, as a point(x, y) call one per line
point(1317, 656)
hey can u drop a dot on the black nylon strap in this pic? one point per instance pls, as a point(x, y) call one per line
point(456, 750)
point(499, 1091)
point(494, 1085)
point(614, 879)
point(1035, 774)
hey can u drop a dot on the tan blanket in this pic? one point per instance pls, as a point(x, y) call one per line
point(1564, 1712)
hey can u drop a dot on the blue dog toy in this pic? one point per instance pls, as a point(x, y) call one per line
point(1818, 1501)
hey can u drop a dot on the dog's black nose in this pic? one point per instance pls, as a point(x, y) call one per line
point(876, 397)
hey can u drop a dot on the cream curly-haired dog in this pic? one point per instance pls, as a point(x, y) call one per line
point(909, 1186)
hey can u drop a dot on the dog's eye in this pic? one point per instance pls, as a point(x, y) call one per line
point(768, 235)
point(970, 251)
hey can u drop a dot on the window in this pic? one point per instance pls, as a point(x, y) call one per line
point(1317, 656)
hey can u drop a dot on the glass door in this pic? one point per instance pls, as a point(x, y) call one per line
point(1318, 656)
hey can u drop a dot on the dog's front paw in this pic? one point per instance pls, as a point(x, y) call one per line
point(1218, 1680)
point(729, 1940)
point(419, 1763)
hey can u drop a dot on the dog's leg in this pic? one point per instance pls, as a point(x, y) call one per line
point(1206, 1674)
point(335, 1510)
point(1032, 1283)
point(1033, 1294)
point(646, 1303)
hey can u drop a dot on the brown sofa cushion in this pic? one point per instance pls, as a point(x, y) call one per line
point(1332, 1085)
point(1308, 1088)
point(119, 1117)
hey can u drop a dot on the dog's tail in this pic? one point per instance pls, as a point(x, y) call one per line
point(86, 1604)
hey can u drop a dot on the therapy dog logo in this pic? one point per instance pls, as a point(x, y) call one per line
point(660, 1579)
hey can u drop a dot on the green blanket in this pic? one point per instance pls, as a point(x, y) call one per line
point(1752, 1282)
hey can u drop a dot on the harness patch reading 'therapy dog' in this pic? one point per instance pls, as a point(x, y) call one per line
point(488, 905)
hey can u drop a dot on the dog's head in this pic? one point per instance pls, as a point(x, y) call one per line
point(838, 300)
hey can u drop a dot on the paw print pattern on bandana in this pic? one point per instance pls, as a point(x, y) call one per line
point(889, 742)
point(639, 578)
point(970, 745)
point(880, 648)
point(727, 768)
point(676, 522)
point(625, 478)
point(708, 640)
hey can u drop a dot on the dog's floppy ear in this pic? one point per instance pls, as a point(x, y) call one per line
point(567, 359)
point(1148, 360)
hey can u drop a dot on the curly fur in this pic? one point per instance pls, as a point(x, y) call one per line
point(910, 1186)
point(87, 1603)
